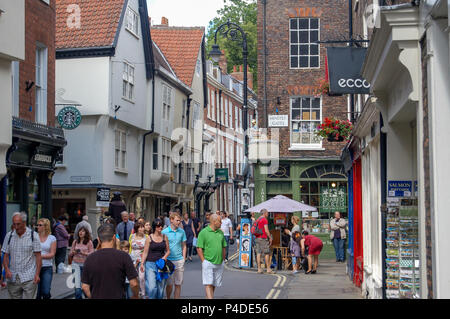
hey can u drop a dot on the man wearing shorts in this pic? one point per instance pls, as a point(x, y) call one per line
point(263, 241)
point(177, 244)
point(211, 248)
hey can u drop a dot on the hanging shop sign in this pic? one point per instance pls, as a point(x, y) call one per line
point(344, 70)
point(399, 188)
point(221, 175)
point(278, 120)
point(103, 197)
point(69, 117)
point(245, 245)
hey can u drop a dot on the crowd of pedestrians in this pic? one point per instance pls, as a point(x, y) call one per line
point(131, 259)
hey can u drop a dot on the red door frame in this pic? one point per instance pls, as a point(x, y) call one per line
point(357, 224)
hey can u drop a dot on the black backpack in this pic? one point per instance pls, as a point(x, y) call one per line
point(32, 236)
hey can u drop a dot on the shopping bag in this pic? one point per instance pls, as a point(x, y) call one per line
point(194, 242)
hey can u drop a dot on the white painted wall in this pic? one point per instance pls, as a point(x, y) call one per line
point(12, 48)
point(439, 116)
point(83, 81)
point(130, 49)
point(12, 30)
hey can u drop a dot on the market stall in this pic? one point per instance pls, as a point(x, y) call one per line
point(281, 209)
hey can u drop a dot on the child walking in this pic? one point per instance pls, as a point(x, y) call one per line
point(294, 247)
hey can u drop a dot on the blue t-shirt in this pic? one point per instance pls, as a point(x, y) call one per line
point(175, 240)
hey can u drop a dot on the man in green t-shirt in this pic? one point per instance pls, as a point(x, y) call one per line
point(211, 248)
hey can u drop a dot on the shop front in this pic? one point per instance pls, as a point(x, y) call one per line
point(320, 184)
point(30, 165)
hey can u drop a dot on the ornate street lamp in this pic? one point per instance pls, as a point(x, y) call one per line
point(231, 31)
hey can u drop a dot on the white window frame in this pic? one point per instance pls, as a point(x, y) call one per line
point(315, 123)
point(132, 22)
point(15, 81)
point(230, 113)
point(298, 43)
point(209, 104)
point(213, 106)
point(166, 101)
point(236, 121)
point(225, 107)
point(41, 69)
point(128, 81)
point(120, 150)
point(155, 153)
point(195, 113)
point(166, 148)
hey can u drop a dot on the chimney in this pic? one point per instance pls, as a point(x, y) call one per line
point(240, 75)
point(165, 21)
point(223, 62)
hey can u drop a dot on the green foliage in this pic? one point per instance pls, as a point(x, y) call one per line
point(244, 13)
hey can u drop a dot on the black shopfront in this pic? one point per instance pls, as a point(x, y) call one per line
point(30, 162)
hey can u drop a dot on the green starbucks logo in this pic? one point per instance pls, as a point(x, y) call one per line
point(69, 118)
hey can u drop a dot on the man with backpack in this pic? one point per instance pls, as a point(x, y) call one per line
point(22, 260)
point(263, 240)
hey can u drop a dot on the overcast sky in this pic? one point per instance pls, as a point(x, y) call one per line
point(186, 13)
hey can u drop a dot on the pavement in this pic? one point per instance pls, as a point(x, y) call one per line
point(330, 282)
point(59, 290)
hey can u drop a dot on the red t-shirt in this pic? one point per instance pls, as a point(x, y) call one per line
point(260, 224)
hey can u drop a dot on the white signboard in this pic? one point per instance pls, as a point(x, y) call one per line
point(278, 120)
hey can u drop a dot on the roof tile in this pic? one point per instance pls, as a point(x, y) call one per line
point(99, 20)
point(180, 46)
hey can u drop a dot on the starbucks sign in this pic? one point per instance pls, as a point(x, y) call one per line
point(69, 117)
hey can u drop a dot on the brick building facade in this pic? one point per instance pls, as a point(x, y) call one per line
point(291, 67)
point(40, 33)
point(223, 124)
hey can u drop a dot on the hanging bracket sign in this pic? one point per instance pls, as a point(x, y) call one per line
point(344, 70)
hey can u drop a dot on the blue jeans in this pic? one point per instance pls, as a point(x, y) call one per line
point(128, 291)
point(227, 238)
point(153, 288)
point(77, 270)
point(45, 284)
point(339, 245)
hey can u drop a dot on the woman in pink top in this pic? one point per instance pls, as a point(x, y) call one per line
point(315, 246)
point(81, 248)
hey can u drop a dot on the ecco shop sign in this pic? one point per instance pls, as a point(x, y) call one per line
point(344, 70)
point(351, 83)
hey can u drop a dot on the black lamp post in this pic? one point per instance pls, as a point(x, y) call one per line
point(231, 31)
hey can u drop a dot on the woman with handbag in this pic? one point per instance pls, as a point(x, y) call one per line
point(156, 248)
point(81, 248)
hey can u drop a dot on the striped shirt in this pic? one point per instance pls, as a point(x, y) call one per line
point(21, 253)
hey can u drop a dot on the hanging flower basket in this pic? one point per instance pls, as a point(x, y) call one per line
point(335, 138)
point(334, 130)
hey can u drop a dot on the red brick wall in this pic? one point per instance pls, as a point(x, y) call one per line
point(284, 82)
point(39, 27)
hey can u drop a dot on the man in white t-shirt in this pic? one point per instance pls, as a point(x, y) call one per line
point(227, 228)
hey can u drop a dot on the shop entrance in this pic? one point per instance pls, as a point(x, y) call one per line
point(75, 209)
